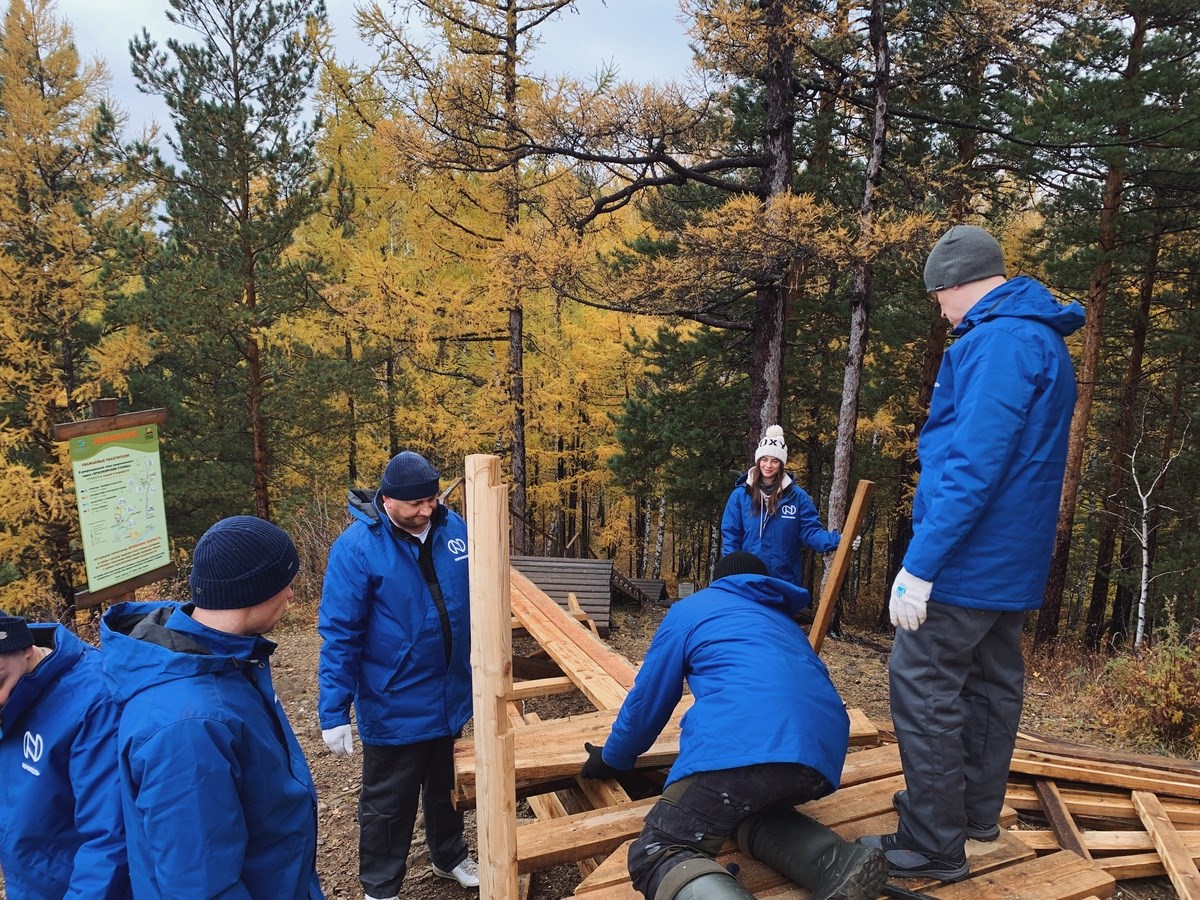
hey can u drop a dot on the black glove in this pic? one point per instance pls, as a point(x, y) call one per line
point(596, 767)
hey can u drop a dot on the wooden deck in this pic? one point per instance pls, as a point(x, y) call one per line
point(1078, 819)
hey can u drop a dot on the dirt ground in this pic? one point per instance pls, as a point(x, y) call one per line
point(858, 664)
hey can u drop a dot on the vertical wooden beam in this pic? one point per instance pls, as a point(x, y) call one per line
point(491, 664)
point(840, 564)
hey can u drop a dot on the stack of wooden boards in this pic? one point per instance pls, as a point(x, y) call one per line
point(1089, 817)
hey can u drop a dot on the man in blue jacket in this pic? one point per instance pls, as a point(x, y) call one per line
point(217, 794)
point(992, 455)
point(396, 643)
point(766, 731)
point(61, 834)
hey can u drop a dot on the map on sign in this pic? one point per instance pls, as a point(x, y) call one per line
point(118, 489)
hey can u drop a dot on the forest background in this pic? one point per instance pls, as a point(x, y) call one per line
point(614, 286)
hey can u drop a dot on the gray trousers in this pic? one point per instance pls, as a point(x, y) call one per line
point(956, 685)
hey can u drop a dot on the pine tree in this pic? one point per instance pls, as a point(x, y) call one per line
point(238, 178)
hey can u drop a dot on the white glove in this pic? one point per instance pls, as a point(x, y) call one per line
point(857, 542)
point(910, 596)
point(339, 740)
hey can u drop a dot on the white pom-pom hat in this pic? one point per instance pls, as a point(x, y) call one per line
point(772, 444)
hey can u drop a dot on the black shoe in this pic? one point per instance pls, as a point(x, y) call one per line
point(975, 832)
point(905, 863)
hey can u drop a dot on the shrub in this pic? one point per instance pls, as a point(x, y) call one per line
point(1154, 695)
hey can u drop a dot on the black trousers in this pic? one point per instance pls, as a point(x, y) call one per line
point(696, 820)
point(393, 779)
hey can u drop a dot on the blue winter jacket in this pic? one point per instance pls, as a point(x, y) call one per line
point(993, 451)
point(217, 794)
point(778, 539)
point(61, 833)
point(761, 695)
point(402, 655)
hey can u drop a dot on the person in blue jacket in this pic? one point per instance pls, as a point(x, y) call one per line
point(766, 731)
point(61, 834)
point(992, 454)
point(395, 630)
point(217, 795)
point(771, 516)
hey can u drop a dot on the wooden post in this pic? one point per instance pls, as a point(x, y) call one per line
point(841, 564)
point(491, 664)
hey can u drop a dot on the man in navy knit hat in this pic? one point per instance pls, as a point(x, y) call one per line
point(60, 810)
point(217, 795)
point(396, 645)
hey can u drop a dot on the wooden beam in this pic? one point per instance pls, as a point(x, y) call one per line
point(491, 684)
point(541, 687)
point(840, 565)
point(1171, 849)
point(1061, 824)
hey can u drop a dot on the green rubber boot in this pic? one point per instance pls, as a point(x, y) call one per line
point(813, 856)
point(700, 878)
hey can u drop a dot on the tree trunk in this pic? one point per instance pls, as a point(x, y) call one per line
point(770, 307)
point(843, 454)
point(1048, 618)
point(1111, 515)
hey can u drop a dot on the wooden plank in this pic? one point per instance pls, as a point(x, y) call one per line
point(1097, 803)
point(840, 565)
point(1031, 741)
point(1061, 824)
point(613, 871)
point(542, 844)
point(1171, 850)
point(541, 687)
point(603, 675)
point(1103, 842)
point(1062, 768)
point(491, 683)
point(1060, 876)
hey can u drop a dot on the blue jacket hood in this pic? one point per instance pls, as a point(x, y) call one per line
point(141, 652)
point(1023, 298)
point(764, 589)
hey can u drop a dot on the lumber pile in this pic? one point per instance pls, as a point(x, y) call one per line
point(1077, 819)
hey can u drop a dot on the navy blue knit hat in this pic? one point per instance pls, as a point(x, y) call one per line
point(409, 476)
point(242, 561)
point(739, 562)
point(14, 634)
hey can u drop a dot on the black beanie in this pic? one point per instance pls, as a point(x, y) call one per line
point(409, 476)
point(242, 561)
point(964, 254)
point(14, 634)
point(739, 562)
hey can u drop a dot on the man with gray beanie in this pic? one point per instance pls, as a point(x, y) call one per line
point(396, 645)
point(217, 795)
point(61, 832)
point(992, 456)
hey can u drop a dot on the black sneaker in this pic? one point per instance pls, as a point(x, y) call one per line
point(975, 832)
point(905, 863)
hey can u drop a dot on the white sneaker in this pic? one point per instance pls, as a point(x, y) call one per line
point(393, 897)
point(466, 873)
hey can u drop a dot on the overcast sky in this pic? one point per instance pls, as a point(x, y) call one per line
point(643, 37)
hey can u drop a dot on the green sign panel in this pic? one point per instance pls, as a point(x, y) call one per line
point(118, 488)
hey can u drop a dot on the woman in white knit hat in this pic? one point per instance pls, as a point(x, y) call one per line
point(771, 516)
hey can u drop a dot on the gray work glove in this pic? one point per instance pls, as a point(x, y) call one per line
point(910, 597)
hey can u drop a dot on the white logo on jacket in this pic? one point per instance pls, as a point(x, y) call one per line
point(788, 511)
point(458, 547)
point(33, 748)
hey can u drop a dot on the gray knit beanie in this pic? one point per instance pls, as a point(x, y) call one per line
point(409, 476)
point(14, 634)
point(964, 254)
point(242, 561)
point(739, 562)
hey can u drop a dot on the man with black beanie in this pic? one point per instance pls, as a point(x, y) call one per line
point(766, 731)
point(217, 795)
point(396, 645)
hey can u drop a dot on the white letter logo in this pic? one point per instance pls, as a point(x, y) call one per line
point(33, 747)
point(788, 511)
point(456, 545)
